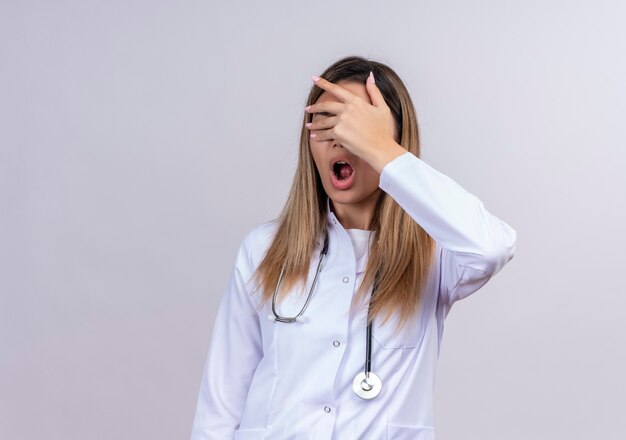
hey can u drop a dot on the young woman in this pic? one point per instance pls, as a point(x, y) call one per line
point(368, 255)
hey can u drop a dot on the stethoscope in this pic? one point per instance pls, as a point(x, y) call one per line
point(366, 384)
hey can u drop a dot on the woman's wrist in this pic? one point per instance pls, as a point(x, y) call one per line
point(384, 154)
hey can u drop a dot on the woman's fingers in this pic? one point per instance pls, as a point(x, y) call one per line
point(343, 94)
point(333, 107)
point(322, 123)
point(360, 126)
point(322, 135)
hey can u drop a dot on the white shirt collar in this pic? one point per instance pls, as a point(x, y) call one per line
point(332, 219)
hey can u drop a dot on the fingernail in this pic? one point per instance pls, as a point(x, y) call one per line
point(308, 124)
point(315, 78)
point(307, 108)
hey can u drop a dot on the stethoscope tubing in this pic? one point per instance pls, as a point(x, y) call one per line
point(289, 320)
point(366, 384)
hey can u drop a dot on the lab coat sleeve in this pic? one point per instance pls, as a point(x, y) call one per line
point(474, 243)
point(234, 352)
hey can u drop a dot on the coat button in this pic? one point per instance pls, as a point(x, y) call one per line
point(346, 279)
point(327, 409)
point(336, 343)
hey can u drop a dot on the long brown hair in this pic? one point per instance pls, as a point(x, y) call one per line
point(402, 252)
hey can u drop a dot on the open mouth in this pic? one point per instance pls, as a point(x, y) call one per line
point(342, 170)
point(342, 175)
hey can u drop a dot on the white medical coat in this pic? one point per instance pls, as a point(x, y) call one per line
point(265, 379)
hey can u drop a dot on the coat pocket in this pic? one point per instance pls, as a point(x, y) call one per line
point(399, 432)
point(249, 434)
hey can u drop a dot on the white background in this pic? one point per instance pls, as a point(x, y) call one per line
point(141, 140)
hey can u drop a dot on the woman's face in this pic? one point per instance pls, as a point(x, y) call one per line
point(362, 186)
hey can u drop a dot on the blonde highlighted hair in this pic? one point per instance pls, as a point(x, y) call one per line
point(402, 252)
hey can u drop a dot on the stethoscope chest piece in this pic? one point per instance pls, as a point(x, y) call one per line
point(366, 387)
